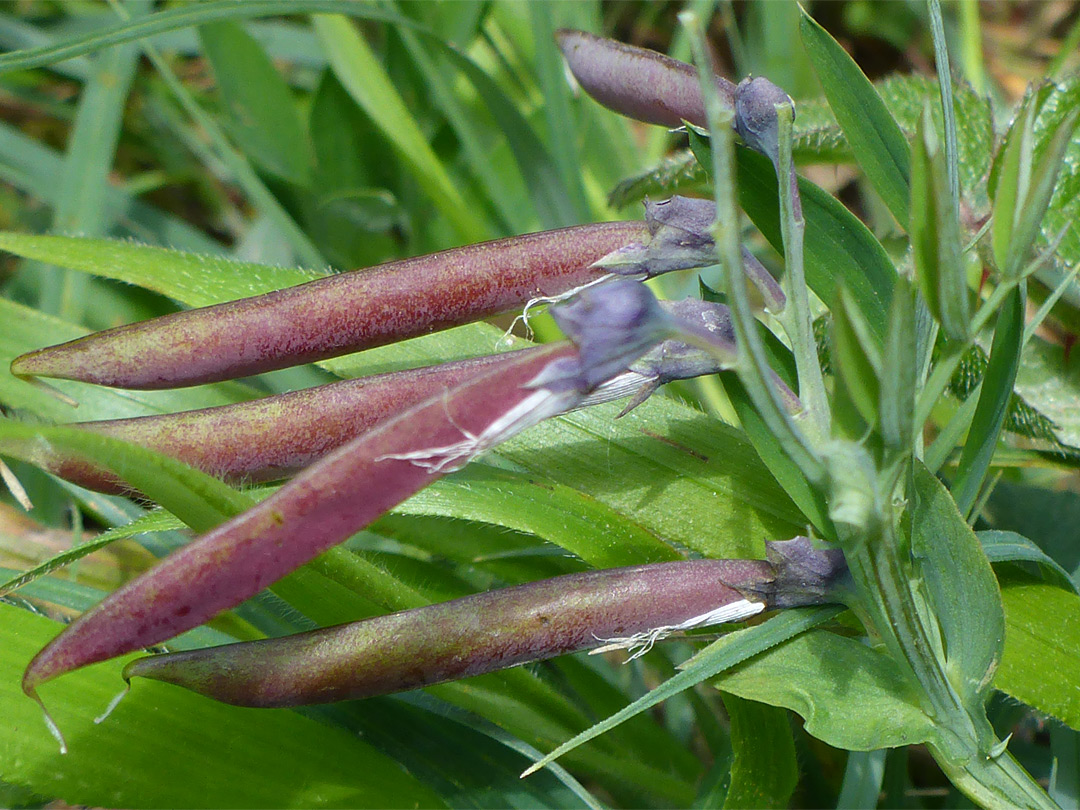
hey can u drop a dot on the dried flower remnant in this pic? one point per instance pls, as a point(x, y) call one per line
point(756, 100)
point(681, 238)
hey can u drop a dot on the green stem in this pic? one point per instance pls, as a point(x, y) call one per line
point(994, 782)
point(796, 318)
point(751, 363)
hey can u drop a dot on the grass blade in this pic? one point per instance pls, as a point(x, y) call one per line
point(361, 74)
point(876, 141)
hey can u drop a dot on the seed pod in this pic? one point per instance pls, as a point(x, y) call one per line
point(636, 82)
point(273, 437)
point(321, 507)
point(632, 607)
point(278, 436)
point(335, 315)
point(463, 637)
point(349, 489)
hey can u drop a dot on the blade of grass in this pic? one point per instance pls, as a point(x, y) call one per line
point(238, 165)
point(876, 140)
point(186, 16)
point(944, 74)
point(719, 656)
point(359, 71)
point(997, 389)
point(561, 121)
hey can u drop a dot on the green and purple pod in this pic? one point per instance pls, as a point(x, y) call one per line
point(477, 634)
point(336, 315)
point(613, 323)
point(636, 82)
point(278, 436)
point(270, 438)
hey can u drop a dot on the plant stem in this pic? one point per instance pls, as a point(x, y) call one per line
point(795, 317)
point(751, 363)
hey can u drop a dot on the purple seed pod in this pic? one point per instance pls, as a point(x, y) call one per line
point(476, 634)
point(468, 636)
point(278, 436)
point(335, 315)
point(680, 231)
point(636, 82)
point(270, 438)
point(338, 496)
point(325, 504)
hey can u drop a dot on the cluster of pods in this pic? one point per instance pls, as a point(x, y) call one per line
point(355, 449)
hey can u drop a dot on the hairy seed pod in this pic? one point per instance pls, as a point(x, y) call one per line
point(270, 438)
point(335, 315)
point(325, 504)
point(278, 436)
point(463, 637)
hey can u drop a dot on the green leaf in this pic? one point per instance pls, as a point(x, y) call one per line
point(990, 413)
point(899, 374)
point(863, 776)
point(935, 235)
point(507, 192)
point(849, 695)
point(1049, 381)
point(1009, 181)
point(561, 122)
point(91, 152)
point(764, 771)
point(1063, 212)
point(537, 165)
point(165, 747)
point(855, 359)
point(190, 278)
point(1034, 181)
point(259, 109)
point(1042, 647)
point(554, 512)
point(810, 500)
point(1002, 546)
point(961, 586)
point(1049, 517)
point(875, 138)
